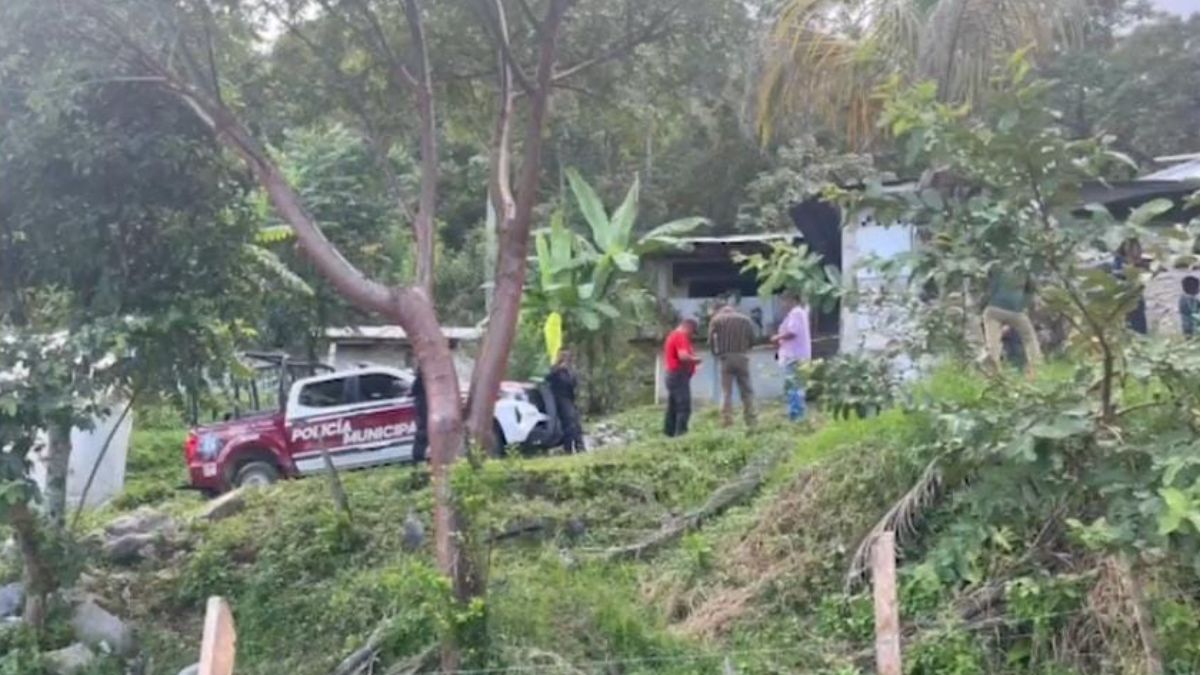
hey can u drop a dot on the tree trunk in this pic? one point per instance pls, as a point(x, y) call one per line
point(514, 242)
point(58, 465)
point(410, 307)
point(37, 576)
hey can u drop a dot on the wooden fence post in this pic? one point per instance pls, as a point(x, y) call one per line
point(887, 606)
point(220, 639)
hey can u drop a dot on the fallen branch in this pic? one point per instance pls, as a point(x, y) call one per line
point(745, 485)
point(415, 663)
point(521, 528)
point(361, 659)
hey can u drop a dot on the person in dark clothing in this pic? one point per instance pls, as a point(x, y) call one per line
point(1014, 351)
point(421, 407)
point(1189, 305)
point(1130, 255)
point(563, 382)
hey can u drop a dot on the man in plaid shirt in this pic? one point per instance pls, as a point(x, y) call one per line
point(731, 336)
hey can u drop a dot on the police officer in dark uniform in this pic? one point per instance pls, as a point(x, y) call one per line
point(421, 406)
point(563, 382)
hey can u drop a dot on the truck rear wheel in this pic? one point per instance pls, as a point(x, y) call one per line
point(256, 474)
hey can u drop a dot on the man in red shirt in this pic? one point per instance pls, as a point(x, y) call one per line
point(680, 360)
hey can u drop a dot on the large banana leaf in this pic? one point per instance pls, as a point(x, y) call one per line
point(667, 235)
point(623, 220)
point(592, 209)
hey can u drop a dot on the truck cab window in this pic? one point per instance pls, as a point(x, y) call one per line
point(325, 394)
point(381, 387)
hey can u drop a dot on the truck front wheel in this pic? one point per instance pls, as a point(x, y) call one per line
point(256, 474)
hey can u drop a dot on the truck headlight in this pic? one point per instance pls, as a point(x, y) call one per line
point(210, 445)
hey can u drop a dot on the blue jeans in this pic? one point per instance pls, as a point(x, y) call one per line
point(793, 388)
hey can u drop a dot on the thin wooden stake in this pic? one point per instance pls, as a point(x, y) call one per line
point(887, 607)
point(220, 639)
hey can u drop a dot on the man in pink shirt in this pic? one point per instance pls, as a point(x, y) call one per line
point(794, 341)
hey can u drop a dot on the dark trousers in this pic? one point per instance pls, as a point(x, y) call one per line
point(568, 417)
point(679, 403)
point(420, 446)
point(1136, 320)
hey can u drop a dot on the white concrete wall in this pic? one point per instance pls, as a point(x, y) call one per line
point(765, 374)
point(876, 321)
point(86, 447)
point(1162, 302)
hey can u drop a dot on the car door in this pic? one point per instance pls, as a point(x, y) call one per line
point(384, 420)
point(360, 419)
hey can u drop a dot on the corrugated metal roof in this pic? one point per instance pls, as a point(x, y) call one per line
point(395, 333)
point(1184, 171)
point(758, 238)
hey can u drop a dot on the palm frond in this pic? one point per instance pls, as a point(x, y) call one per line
point(271, 264)
point(902, 518)
point(824, 62)
point(274, 234)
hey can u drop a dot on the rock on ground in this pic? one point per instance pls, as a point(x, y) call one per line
point(142, 521)
point(193, 669)
point(607, 434)
point(136, 536)
point(129, 548)
point(71, 660)
point(95, 626)
point(226, 505)
point(12, 598)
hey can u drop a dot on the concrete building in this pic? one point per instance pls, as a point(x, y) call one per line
point(389, 346)
point(692, 281)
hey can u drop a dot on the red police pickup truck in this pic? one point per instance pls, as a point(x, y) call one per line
point(361, 418)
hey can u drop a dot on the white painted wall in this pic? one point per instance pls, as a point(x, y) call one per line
point(875, 322)
point(765, 374)
point(86, 447)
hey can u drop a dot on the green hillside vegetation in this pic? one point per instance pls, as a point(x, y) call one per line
point(762, 584)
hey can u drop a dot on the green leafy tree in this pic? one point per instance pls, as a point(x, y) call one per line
point(1139, 87)
point(49, 381)
point(801, 170)
point(1102, 453)
point(788, 268)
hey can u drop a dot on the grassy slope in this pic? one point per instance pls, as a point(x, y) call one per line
point(307, 588)
point(762, 584)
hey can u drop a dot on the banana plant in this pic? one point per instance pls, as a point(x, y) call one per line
point(591, 280)
point(613, 242)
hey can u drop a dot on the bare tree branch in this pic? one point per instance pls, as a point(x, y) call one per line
point(496, 26)
point(530, 16)
point(427, 203)
point(210, 53)
point(653, 31)
point(396, 65)
point(500, 179)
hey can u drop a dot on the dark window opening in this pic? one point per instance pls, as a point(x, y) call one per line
point(326, 394)
point(381, 387)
